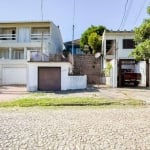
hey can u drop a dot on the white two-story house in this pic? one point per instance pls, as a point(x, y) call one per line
point(31, 55)
point(116, 48)
point(17, 39)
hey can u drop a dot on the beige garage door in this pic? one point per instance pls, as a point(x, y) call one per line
point(49, 78)
point(14, 75)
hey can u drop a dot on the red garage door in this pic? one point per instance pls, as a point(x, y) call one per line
point(49, 78)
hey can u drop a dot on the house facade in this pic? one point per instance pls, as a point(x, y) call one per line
point(30, 54)
point(16, 39)
point(116, 48)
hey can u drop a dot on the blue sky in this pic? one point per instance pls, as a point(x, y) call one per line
point(108, 13)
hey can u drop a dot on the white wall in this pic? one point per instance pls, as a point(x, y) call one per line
point(14, 75)
point(114, 73)
point(77, 82)
point(141, 68)
point(121, 53)
point(112, 79)
point(67, 82)
point(55, 44)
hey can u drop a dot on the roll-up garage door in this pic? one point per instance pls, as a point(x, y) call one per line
point(49, 78)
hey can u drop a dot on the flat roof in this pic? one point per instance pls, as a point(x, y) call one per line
point(119, 31)
point(22, 22)
point(25, 24)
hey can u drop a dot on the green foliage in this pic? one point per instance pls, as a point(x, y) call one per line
point(148, 10)
point(143, 32)
point(88, 38)
point(142, 51)
point(142, 39)
point(94, 42)
point(108, 69)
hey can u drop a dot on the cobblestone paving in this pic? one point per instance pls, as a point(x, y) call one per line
point(75, 129)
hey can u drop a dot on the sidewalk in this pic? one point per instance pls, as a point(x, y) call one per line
point(13, 92)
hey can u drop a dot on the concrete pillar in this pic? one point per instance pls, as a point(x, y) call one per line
point(25, 53)
point(10, 53)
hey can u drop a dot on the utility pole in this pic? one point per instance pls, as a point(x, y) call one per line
point(73, 26)
point(42, 31)
point(42, 9)
point(73, 45)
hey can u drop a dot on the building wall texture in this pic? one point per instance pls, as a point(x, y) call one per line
point(88, 65)
point(55, 44)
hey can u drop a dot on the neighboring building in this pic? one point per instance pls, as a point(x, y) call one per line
point(76, 47)
point(84, 63)
point(116, 48)
point(28, 56)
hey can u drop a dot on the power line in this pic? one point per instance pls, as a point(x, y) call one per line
point(127, 13)
point(140, 11)
point(125, 9)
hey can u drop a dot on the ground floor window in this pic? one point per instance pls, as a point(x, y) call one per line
point(4, 53)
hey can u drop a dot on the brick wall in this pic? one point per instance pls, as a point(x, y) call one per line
point(89, 65)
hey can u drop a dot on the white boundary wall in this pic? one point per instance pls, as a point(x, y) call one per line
point(77, 82)
point(141, 68)
point(67, 82)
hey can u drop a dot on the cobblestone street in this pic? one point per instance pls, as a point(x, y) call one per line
point(75, 129)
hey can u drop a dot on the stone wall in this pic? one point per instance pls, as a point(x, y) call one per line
point(88, 65)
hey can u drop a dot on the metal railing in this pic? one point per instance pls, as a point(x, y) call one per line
point(33, 37)
point(37, 56)
point(7, 36)
point(40, 36)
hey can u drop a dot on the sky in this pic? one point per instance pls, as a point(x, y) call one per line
point(63, 13)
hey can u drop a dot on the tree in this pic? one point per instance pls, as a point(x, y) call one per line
point(142, 32)
point(142, 51)
point(142, 40)
point(148, 10)
point(93, 41)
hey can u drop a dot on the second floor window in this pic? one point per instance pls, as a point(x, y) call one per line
point(128, 44)
point(110, 47)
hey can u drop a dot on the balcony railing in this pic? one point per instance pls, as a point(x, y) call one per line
point(37, 56)
point(40, 36)
point(33, 37)
point(7, 36)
